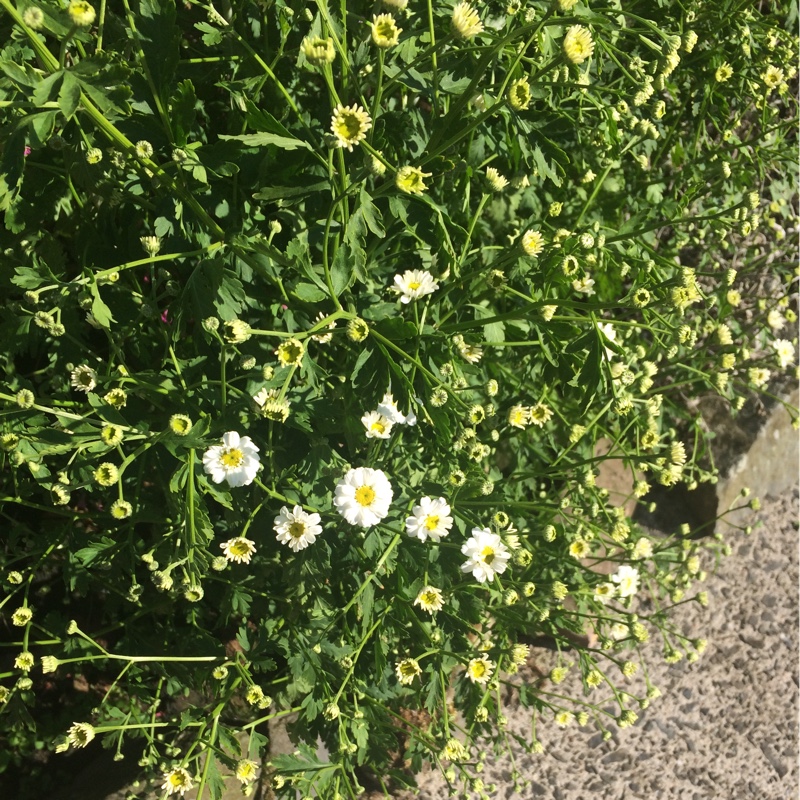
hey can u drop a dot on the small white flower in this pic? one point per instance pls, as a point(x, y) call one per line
point(378, 426)
point(349, 125)
point(430, 599)
point(177, 781)
point(388, 407)
point(486, 555)
point(619, 630)
point(603, 592)
point(239, 550)
point(784, 349)
point(83, 378)
point(323, 338)
point(235, 460)
point(496, 180)
point(413, 284)
point(532, 243)
point(627, 580)
point(479, 670)
point(775, 320)
point(431, 518)
point(80, 734)
point(466, 22)
point(471, 353)
point(297, 528)
point(363, 496)
point(643, 548)
point(584, 285)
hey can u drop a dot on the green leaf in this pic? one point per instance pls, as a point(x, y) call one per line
point(211, 35)
point(396, 329)
point(305, 185)
point(362, 359)
point(24, 77)
point(309, 293)
point(212, 289)
point(366, 217)
point(160, 40)
point(33, 277)
point(492, 331)
point(100, 311)
point(262, 121)
point(214, 779)
point(45, 89)
point(42, 126)
point(69, 97)
point(264, 139)
point(182, 111)
point(343, 268)
point(543, 165)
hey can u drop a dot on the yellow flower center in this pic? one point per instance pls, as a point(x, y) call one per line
point(365, 495)
point(290, 353)
point(240, 548)
point(232, 458)
point(487, 555)
point(429, 598)
point(385, 30)
point(414, 285)
point(378, 426)
point(296, 530)
point(431, 522)
point(348, 125)
point(177, 779)
point(478, 669)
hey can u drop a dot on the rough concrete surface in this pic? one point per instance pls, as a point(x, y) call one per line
point(725, 727)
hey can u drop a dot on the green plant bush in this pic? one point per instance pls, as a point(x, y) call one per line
point(319, 323)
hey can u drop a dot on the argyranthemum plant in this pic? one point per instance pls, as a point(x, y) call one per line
point(316, 330)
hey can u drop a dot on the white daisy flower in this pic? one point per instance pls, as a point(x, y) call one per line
point(584, 285)
point(235, 460)
point(349, 125)
point(323, 338)
point(177, 781)
point(239, 550)
point(627, 580)
point(466, 22)
point(363, 496)
point(784, 349)
point(297, 528)
point(83, 378)
point(479, 670)
point(413, 284)
point(430, 599)
point(619, 630)
point(378, 426)
point(486, 555)
point(471, 353)
point(388, 407)
point(603, 592)
point(431, 518)
point(643, 549)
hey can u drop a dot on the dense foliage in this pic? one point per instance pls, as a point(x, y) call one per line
point(318, 325)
